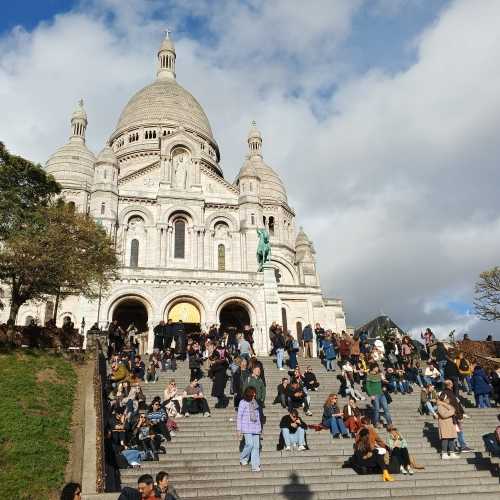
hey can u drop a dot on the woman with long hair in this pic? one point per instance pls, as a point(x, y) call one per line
point(333, 417)
point(71, 491)
point(249, 426)
point(399, 450)
point(368, 455)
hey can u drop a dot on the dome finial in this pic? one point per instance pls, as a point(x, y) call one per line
point(166, 57)
point(78, 123)
point(255, 141)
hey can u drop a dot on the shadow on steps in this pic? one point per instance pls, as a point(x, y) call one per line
point(295, 490)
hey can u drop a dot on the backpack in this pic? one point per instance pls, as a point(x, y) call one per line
point(295, 346)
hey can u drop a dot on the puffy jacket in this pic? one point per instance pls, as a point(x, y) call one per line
point(307, 333)
point(480, 383)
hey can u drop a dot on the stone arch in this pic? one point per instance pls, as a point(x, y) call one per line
point(184, 296)
point(221, 216)
point(288, 267)
point(131, 295)
point(174, 210)
point(240, 299)
point(139, 210)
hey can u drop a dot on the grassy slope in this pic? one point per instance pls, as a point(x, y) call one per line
point(36, 396)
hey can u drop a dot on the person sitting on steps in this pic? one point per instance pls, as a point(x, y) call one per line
point(310, 381)
point(297, 398)
point(282, 393)
point(333, 417)
point(293, 431)
point(369, 455)
point(194, 400)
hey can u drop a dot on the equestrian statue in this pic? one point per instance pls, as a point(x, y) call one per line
point(263, 248)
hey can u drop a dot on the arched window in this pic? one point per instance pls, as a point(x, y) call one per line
point(134, 253)
point(252, 218)
point(103, 208)
point(221, 258)
point(180, 239)
point(105, 173)
point(271, 226)
point(264, 220)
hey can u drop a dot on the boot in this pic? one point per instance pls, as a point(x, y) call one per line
point(386, 476)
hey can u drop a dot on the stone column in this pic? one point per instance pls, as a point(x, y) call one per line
point(169, 251)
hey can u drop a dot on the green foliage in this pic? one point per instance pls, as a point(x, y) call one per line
point(60, 252)
point(24, 188)
point(36, 406)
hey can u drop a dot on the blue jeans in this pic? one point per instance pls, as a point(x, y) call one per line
point(377, 402)
point(280, 354)
point(441, 365)
point(329, 364)
point(483, 401)
point(461, 439)
point(430, 408)
point(251, 450)
point(297, 438)
point(133, 456)
point(337, 426)
point(292, 359)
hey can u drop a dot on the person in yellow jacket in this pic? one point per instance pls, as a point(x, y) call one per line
point(465, 370)
point(120, 373)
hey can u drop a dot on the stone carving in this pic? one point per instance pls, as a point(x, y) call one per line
point(180, 163)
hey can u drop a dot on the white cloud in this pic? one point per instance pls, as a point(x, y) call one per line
point(398, 178)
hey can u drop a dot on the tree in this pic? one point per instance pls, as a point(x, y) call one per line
point(24, 188)
point(487, 295)
point(59, 252)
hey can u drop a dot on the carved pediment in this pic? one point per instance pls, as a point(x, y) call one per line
point(145, 177)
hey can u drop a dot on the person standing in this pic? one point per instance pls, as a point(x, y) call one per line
point(375, 392)
point(320, 335)
point(279, 349)
point(447, 428)
point(180, 339)
point(307, 339)
point(249, 426)
point(159, 339)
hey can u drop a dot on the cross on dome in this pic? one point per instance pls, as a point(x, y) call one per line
point(166, 57)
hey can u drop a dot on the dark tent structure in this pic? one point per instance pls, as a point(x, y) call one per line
point(379, 327)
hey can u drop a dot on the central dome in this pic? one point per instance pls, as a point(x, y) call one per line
point(164, 102)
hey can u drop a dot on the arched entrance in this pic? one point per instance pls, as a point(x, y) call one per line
point(131, 311)
point(234, 315)
point(188, 314)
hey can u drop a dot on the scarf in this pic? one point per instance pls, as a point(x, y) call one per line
point(252, 407)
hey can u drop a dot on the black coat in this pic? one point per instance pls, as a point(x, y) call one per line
point(218, 374)
point(451, 370)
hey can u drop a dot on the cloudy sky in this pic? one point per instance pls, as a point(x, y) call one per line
point(381, 116)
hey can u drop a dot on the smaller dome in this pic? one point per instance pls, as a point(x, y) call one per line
point(107, 155)
point(271, 186)
point(72, 166)
point(248, 170)
point(302, 238)
point(79, 113)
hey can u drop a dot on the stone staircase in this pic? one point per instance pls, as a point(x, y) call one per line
point(203, 458)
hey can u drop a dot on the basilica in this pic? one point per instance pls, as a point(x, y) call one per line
point(187, 237)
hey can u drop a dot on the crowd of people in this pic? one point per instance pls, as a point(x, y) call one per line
point(369, 371)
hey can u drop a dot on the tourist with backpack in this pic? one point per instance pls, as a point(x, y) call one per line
point(481, 387)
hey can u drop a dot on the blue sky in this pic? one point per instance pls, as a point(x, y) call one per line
point(381, 116)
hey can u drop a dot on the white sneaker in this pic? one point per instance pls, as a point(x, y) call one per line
point(410, 470)
point(287, 448)
point(172, 434)
point(403, 470)
point(206, 414)
point(301, 448)
point(454, 455)
point(243, 463)
point(186, 414)
point(445, 456)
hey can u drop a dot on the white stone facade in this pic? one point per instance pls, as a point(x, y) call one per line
point(183, 233)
